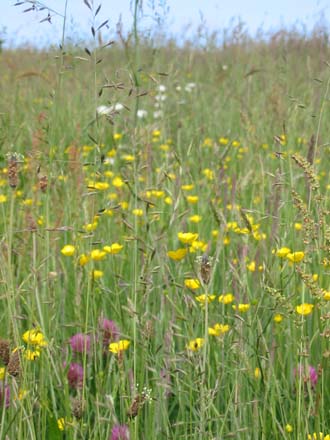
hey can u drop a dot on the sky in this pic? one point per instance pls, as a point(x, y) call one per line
point(17, 27)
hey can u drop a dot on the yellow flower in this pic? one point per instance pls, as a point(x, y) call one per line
point(198, 245)
point(326, 295)
point(2, 373)
point(3, 198)
point(305, 309)
point(298, 226)
point(226, 240)
point(188, 187)
point(215, 233)
point(68, 250)
point(283, 139)
point(192, 283)
point(288, 428)
point(22, 393)
point(114, 248)
point(168, 200)
point(195, 344)
point(208, 173)
point(202, 298)
point(87, 148)
point(61, 424)
point(192, 199)
point(101, 186)
point(137, 212)
point(34, 337)
point(295, 257)
point(208, 142)
point(108, 173)
point(232, 226)
point(164, 147)
point(83, 259)
point(117, 136)
point(242, 307)
point(156, 133)
point(259, 235)
point(157, 193)
point(251, 266)
point(97, 274)
point(98, 254)
point(128, 157)
point(123, 205)
point(283, 252)
point(89, 227)
point(257, 373)
point(223, 141)
point(278, 318)
point(318, 436)
point(227, 298)
point(27, 202)
point(195, 218)
point(118, 182)
point(187, 237)
point(118, 347)
point(31, 355)
point(177, 255)
point(218, 329)
point(112, 153)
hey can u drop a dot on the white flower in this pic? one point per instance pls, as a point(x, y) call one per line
point(160, 97)
point(118, 107)
point(103, 110)
point(178, 88)
point(224, 67)
point(158, 114)
point(141, 113)
point(107, 110)
point(161, 88)
point(189, 87)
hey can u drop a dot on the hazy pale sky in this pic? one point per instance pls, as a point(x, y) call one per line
point(215, 14)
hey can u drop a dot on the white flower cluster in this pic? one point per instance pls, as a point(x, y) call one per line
point(105, 110)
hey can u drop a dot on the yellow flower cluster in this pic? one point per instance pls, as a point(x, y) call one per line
point(253, 229)
point(218, 329)
point(118, 347)
point(35, 338)
point(293, 257)
point(95, 255)
point(195, 344)
point(304, 309)
point(318, 436)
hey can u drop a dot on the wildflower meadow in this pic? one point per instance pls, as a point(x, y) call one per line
point(165, 236)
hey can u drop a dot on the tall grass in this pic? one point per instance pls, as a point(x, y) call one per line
point(238, 155)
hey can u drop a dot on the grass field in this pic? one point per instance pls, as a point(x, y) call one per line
point(165, 239)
